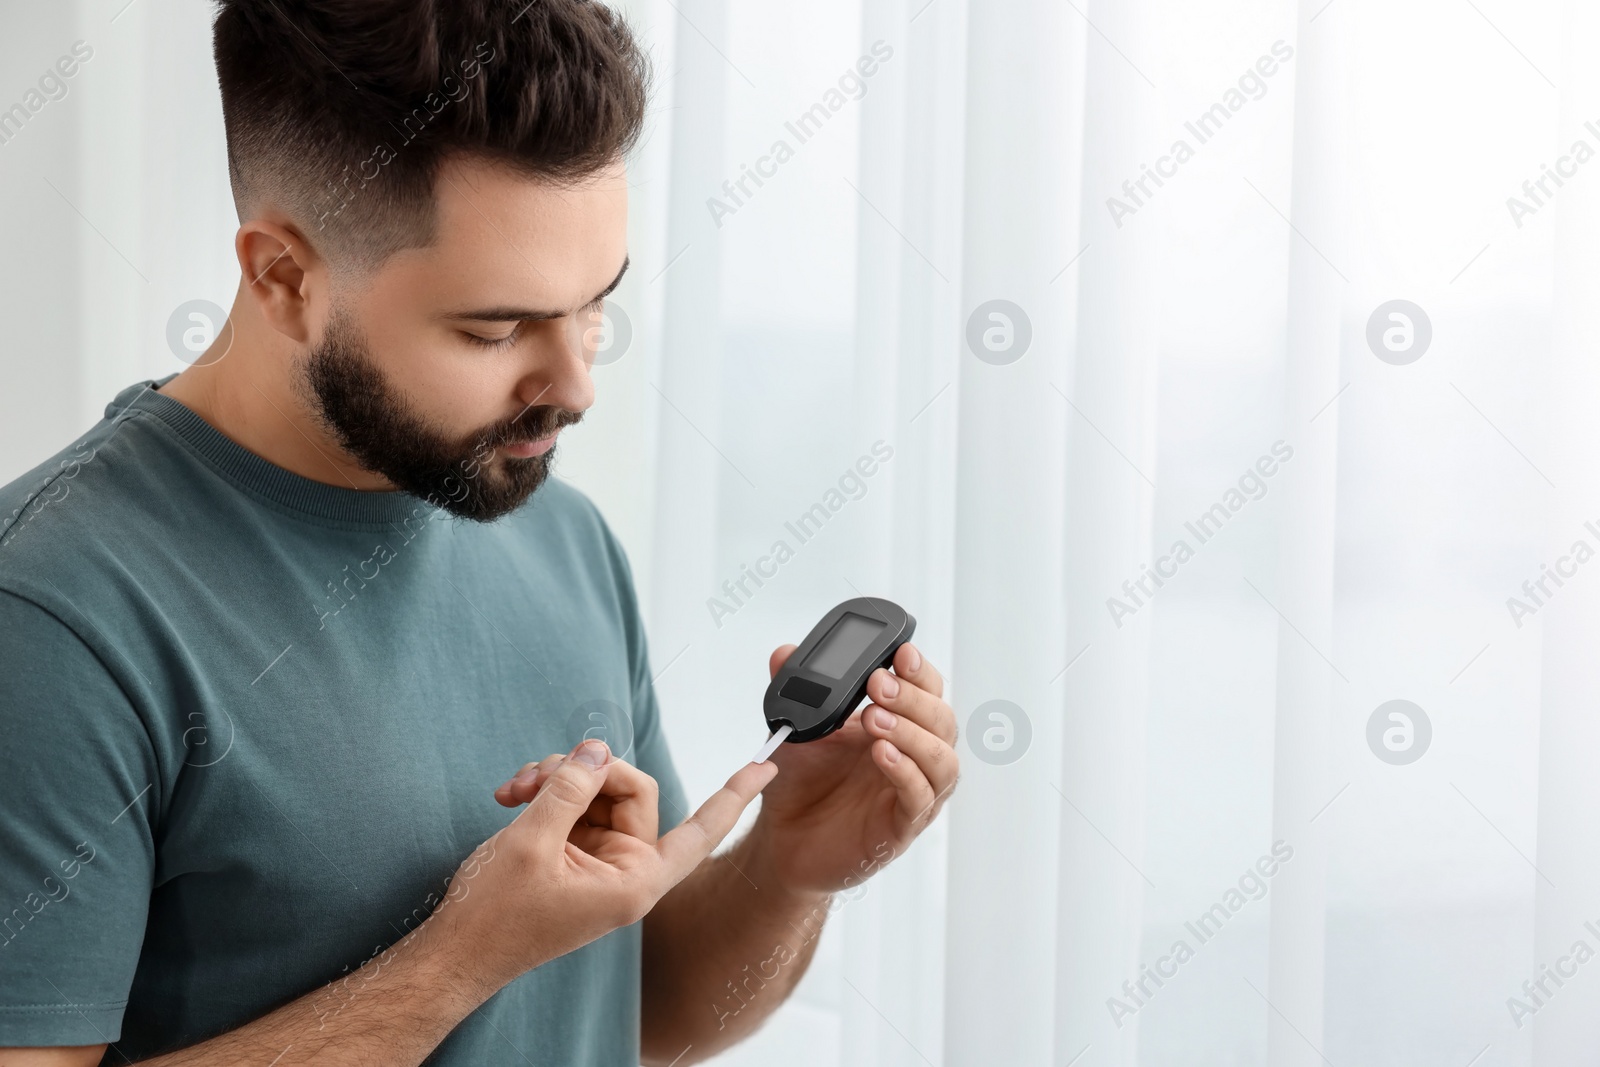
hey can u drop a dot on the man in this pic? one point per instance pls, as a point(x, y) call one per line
point(265, 702)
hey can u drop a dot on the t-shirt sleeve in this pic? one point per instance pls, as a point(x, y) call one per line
point(650, 751)
point(77, 856)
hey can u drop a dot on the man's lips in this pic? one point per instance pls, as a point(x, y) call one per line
point(529, 449)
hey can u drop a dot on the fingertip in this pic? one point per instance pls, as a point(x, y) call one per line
point(885, 685)
point(873, 718)
point(887, 752)
point(592, 753)
point(752, 778)
point(779, 657)
point(908, 659)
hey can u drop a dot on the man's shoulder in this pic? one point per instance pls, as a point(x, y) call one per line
point(62, 509)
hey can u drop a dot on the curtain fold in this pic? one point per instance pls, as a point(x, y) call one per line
point(1567, 880)
point(688, 466)
point(908, 309)
point(1109, 403)
point(1023, 109)
point(891, 949)
point(1303, 595)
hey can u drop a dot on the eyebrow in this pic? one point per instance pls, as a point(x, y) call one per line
point(515, 314)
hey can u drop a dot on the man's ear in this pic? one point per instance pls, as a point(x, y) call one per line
point(284, 275)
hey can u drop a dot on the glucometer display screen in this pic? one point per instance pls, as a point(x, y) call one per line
point(849, 637)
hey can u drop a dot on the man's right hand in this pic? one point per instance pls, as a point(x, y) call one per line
point(582, 859)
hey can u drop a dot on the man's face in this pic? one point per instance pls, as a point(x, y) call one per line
point(454, 366)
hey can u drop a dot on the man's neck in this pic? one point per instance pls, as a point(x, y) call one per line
point(247, 395)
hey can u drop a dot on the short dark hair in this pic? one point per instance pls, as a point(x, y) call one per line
point(341, 111)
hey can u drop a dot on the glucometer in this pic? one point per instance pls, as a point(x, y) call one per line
point(824, 680)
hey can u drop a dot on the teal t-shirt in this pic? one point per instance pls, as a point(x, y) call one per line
point(250, 724)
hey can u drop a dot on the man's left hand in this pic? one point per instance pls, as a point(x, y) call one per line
point(846, 804)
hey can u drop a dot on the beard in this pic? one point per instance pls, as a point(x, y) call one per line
point(379, 427)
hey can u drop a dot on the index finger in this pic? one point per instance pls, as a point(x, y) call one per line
point(693, 840)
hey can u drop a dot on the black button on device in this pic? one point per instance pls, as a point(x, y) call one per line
point(846, 646)
point(807, 692)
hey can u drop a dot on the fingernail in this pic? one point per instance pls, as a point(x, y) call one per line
point(891, 753)
point(913, 659)
point(526, 777)
point(884, 719)
point(891, 688)
point(591, 754)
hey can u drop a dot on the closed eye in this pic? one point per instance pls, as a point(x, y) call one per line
point(593, 308)
point(493, 342)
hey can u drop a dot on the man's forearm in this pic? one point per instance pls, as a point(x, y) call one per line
point(721, 952)
point(392, 1012)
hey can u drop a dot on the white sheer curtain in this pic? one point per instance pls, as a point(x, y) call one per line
point(1195, 319)
point(1571, 685)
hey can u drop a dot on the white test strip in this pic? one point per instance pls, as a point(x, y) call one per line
point(773, 742)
